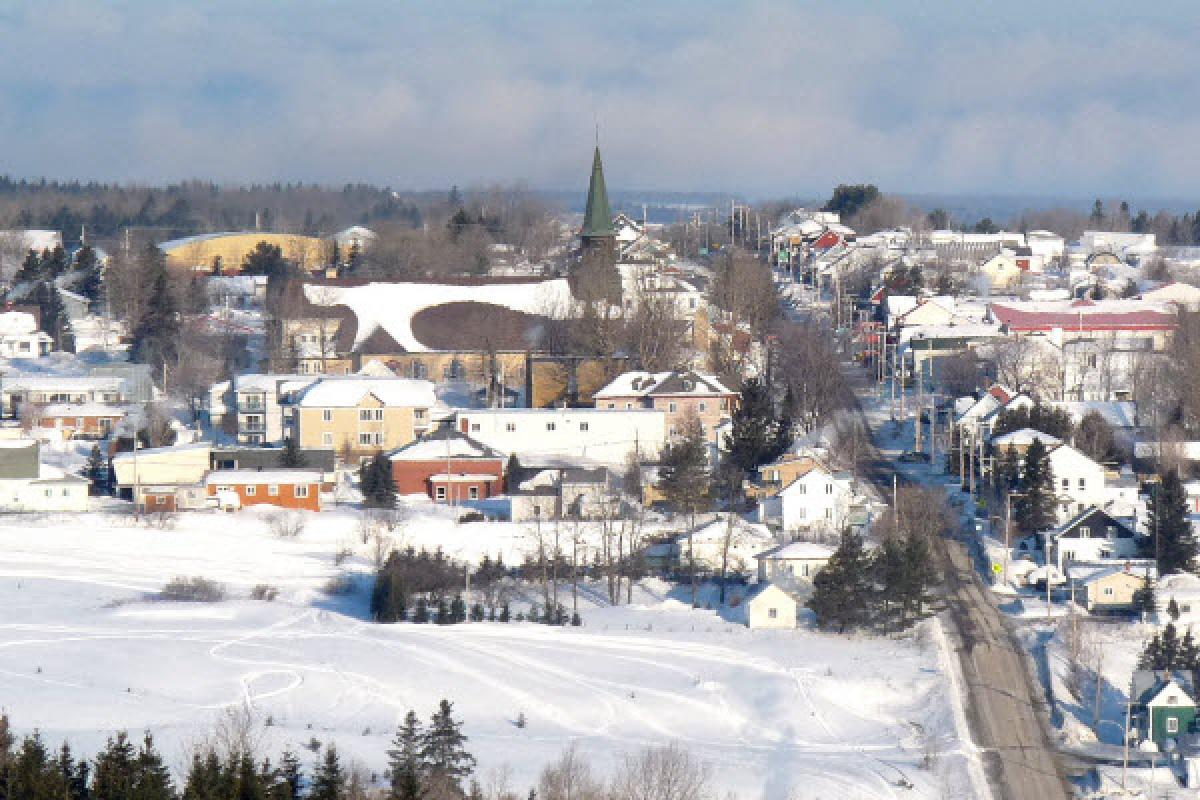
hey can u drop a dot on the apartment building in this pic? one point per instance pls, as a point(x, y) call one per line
point(359, 417)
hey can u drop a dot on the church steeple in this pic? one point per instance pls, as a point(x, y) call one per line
point(598, 227)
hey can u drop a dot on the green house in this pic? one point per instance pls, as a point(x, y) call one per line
point(1164, 705)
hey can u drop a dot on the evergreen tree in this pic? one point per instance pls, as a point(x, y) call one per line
point(329, 780)
point(458, 609)
point(91, 277)
point(152, 779)
point(292, 456)
point(443, 749)
point(888, 574)
point(31, 268)
point(1034, 509)
point(113, 777)
point(206, 778)
point(97, 471)
point(841, 595)
point(72, 774)
point(752, 435)
point(53, 313)
point(290, 775)
point(404, 760)
point(918, 578)
point(421, 614)
point(54, 262)
point(505, 613)
point(1146, 601)
point(156, 333)
point(31, 775)
point(377, 484)
point(1008, 470)
point(477, 612)
point(785, 425)
point(265, 259)
point(443, 612)
point(1169, 525)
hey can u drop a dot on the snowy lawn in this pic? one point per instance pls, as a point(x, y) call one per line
point(85, 649)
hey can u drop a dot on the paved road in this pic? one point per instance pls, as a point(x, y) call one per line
point(1004, 702)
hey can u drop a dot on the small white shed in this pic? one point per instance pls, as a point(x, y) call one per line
point(769, 607)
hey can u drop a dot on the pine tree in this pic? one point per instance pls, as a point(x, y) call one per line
point(841, 597)
point(113, 778)
point(684, 480)
point(443, 612)
point(97, 471)
point(505, 613)
point(292, 456)
point(1146, 600)
point(249, 783)
point(152, 779)
point(1034, 509)
point(31, 268)
point(1008, 470)
point(377, 484)
point(919, 576)
point(785, 426)
point(291, 776)
point(477, 612)
point(752, 435)
point(443, 748)
point(421, 614)
point(888, 574)
point(156, 334)
point(1168, 523)
point(54, 316)
point(329, 780)
point(458, 609)
point(91, 278)
point(404, 760)
point(31, 772)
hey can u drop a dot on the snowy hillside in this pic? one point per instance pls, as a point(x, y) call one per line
point(84, 650)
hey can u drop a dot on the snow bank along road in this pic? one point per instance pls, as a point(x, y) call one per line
point(1003, 700)
point(788, 714)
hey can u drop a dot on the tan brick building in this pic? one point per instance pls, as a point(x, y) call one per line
point(359, 417)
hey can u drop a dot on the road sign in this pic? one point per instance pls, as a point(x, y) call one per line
point(997, 568)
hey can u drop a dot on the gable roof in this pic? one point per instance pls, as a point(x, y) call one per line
point(646, 384)
point(1082, 315)
point(1086, 515)
point(334, 392)
point(444, 443)
point(1025, 437)
point(808, 551)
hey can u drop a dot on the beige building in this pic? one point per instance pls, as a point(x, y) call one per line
point(358, 417)
point(681, 395)
point(224, 253)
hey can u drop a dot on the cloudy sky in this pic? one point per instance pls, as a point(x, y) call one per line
point(1052, 97)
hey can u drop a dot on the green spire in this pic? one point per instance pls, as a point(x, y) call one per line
point(597, 217)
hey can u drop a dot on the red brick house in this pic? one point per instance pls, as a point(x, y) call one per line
point(298, 489)
point(679, 394)
point(448, 467)
point(80, 421)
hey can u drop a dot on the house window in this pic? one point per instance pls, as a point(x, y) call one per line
point(510, 426)
point(364, 415)
point(801, 488)
point(273, 490)
point(612, 405)
point(300, 491)
point(628, 406)
point(473, 493)
point(671, 407)
point(379, 415)
point(804, 570)
point(583, 426)
point(550, 426)
point(1066, 483)
point(674, 431)
point(1172, 722)
point(1108, 591)
point(327, 415)
point(439, 493)
point(419, 413)
point(364, 438)
point(1112, 531)
point(802, 513)
point(772, 613)
point(378, 438)
point(703, 407)
point(1082, 483)
point(251, 491)
point(327, 439)
point(475, 427)
point(829, 513)
point(829, 488)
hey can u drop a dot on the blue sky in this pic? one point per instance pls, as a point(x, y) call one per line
point(768, 98)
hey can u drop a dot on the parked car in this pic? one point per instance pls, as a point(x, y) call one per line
point(915, 458)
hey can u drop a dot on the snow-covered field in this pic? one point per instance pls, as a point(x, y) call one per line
point(84, 650)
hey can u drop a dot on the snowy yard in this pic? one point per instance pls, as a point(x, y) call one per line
point(84, 651)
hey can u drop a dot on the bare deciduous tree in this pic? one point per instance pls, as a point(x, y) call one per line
point(662, 773)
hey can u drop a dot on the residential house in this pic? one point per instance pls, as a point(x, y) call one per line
point(1091, 536)
point(296, 489)
point(568, 436)
point(793, 566)
point(79, 421)
point(769, 607)
point(359, 417)
point(680, 395)
point(263, 405)
point(1001, 272)
point(1079, 482)
point(1184, 589)
point(564, 492)
point(26, 484)
point(1109, 588)
point(1019, 441)
point(1179, 295)
point(817, 498)
point(1163, 705)
point(25, 389)
point(175, 466)
point(448, 467)
point(776, 474)
point(271, 458)
point(20, 336)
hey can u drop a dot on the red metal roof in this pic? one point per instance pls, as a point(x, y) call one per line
point(1082, 316)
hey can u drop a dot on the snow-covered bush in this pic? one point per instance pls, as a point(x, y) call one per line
point(193, 590)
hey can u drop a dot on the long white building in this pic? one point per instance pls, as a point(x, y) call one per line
point(549, 435)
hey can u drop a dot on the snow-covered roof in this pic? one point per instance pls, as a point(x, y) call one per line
point(456, 477)
point(391, 306)
point(268, 382)
point(442, 445)
point(642, 384)
point(349, 392)
point(1084, 315)
point(17, 322)
point(67, 382)
point(806, 551)
point(81, 410)
point(1116, 414)
point(1025, 437)
point(52, 474)
point(221, 477)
